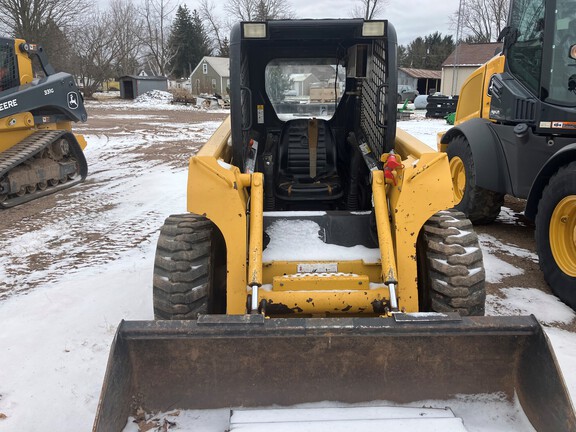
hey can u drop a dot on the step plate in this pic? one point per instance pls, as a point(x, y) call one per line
point(320, 281)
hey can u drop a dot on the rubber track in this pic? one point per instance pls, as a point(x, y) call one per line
point(28, 148)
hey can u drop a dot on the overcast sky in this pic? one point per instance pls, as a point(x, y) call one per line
point(411, 18)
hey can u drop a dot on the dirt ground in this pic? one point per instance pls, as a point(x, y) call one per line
point(115, 122)
point(513, 230)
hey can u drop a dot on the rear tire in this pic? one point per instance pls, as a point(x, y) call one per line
point(481, 206)
point(556, 234)
point(189, 269)
point(451, 275)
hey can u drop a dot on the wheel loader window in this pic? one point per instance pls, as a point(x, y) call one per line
point(563, 70)
point(525, 54)
point(304, 88)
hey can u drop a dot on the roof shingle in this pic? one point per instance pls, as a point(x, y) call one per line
point(422, 73)
point(473, 54)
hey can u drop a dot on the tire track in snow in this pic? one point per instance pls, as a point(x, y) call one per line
point(137, 176)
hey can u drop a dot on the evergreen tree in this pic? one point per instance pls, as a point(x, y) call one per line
point(277, 82)
point(200, 42)
point(188, 40)
point(439, 48)
point(180, 41)
point(426, 53)
point(224, 50)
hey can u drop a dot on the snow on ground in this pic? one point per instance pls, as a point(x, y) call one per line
point(154, 100)
point(298, 239)
point(54, 340)
point(500, 269)
point(530, 301)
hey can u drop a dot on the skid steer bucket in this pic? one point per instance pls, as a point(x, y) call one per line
point(248, 361)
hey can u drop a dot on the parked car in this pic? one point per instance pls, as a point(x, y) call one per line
point(406, 92)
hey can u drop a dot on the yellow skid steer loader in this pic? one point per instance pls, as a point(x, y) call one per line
point(319, 260)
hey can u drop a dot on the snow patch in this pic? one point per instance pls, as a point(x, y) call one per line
point(154, 97)
point(299, 240)
point(530, 301)
point(480, 412)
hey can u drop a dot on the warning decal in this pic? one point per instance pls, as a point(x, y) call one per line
point(563, 125)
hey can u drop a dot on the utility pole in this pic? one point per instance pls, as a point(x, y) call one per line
point(456, 51)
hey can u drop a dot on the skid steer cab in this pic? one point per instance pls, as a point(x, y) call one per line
point(311, 221)
point(306, 201)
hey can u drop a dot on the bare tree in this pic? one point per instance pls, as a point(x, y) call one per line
point(46, 22)
point(94, 52)
point(157, 16)
point(482, 20)
point(106, 45)
point(127, 28)
point(259, 10)
point(217, 29)
point(28, 18)
point(368, 9)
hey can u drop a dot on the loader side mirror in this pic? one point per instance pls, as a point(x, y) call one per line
point(573, 52)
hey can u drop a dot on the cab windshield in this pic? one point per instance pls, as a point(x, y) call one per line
point(563, 71)
point(525, 55)
point(301, 88)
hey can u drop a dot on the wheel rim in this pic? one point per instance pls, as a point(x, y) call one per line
point(563, 235)
point(458, 174)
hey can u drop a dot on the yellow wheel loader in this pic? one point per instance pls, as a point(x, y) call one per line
point(515, 133)
point(320, 260)
point(39, 154)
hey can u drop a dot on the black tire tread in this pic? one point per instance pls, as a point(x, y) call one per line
point(182, 267)
point(453, 265)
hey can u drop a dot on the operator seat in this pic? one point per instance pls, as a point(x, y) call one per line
point(307, 169)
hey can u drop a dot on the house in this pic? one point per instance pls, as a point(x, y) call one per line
point(301, 82)
point(132, 86)
point(465, 59)
point(423, 80)
point(180, 83)
point(211, 75)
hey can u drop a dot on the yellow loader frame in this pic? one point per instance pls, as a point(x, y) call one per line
point(219, 191)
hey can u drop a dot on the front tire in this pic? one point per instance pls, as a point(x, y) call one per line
point(189, 269)
point(481, 206)
point(451, 275)
point(556, 234)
